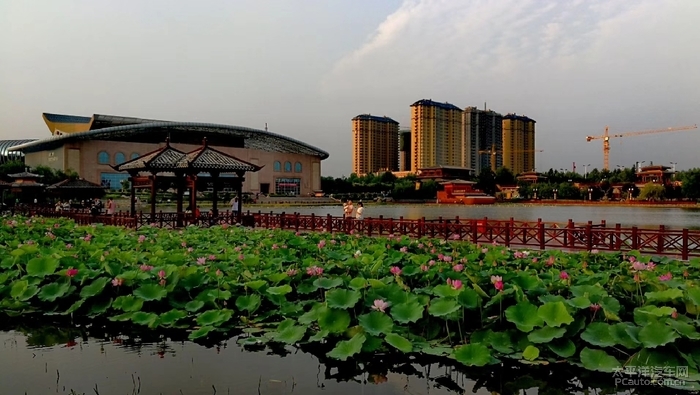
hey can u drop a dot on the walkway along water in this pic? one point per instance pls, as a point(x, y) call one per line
point(682, 243)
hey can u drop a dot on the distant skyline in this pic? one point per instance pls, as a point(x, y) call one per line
point(306, 68)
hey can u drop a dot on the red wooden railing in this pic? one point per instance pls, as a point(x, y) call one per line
point(682, 243)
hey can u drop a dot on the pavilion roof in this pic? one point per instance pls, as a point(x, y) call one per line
point(24, 174)
point(75, 184)
point(164, 158)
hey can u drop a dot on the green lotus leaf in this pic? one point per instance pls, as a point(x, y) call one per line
point(358, 283)
point(281, 290)
point(143, 318)
point(685, 329)
point(28, 293)
point(469, 299)
point(374, 283)
point(95, 288)
point(275, 278)
point(656, 334)
point(42, 267)
point(150, 292)
point(194, 306)
point(610, 305)
point(473, 354)
point(342, 298)
point(441, 307)
point(527, 281)
point(18, 288)
point(524, 316)
point(291, 335)
point(564, 348)
point(249, 303)
point(580, 302)
point(599, 360)
point(372, 344)
point(592, 292)
point(214, 317)
point(319, 336)
point(376, 323)
point(128, 303)
point(599, 334)
point(74, 307)
point(437, 351)
point(328, 283)
point(664, 296)
point(555, 314)
point(620, 332)
point(122, 317)
point(256, 285)
point(193, 281)
point(399, 342)
point(531, 353)
point(445, 291)
point(51, 292)
point(172, 317)
point(694, 295)
point(648, 314)
point(201, 332)
point(545, 335)
point(99, 307)
point(306, 288)
point(334, 320)
point(499, 341)
point(404, 313)
point(312, 315)
point(347, 348)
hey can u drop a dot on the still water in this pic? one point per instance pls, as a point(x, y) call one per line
point(677, 218)
point(54, 361)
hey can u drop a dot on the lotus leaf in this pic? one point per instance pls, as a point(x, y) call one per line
point(149, 292)
point(656, 334)
point(564, 348)
point(372, 344)
point(599, 360)
point(358, 283)
point(53, 291)
point(404, 313)
point(214, 317)
point(441, 307)
point(291, 335)
point(201, 332)
point(555, 314)
point(249, 303)
point(620, 332)
point(694, 295)
point(172, 316)
point(143, 318)
point(445, 291)
point(342, 298)
point(328, 283)
point(42, 266)
point(319, 336)
point(473, 354)
point(194, 306)
point(334, 320)
point(524, 316)
point(95, 288)
point(376, 323)
point(469, 299)
point(599, 334)
point(399, 342)
point(347, 348)
point(531, 353)
point(545, 335)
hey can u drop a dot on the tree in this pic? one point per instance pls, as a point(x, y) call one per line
point(652, 191)
point(15, 166)
point(691, 184)
point(388, 178)
point(486, 181)
point(504, 176)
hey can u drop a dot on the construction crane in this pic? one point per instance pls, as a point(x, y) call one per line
point(493, 153)
point(607, 136)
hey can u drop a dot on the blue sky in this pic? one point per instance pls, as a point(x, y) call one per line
point(307, 67)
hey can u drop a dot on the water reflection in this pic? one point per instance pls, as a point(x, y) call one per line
point(91, 360)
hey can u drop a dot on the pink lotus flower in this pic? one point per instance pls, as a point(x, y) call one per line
point(87, 238)
point(142, 238)
point(116, 282)
point(637, 278)
point(275, 247)
point(404, 249)
point(71, 272)
point(314, 271)
point(498, 285)
point(666, 277)
point(190, 249)
point(455, 236)
point(595, 307)
point(638, 266)
point(146, 268)
point(431, 262)
point(380, 305)
point(162, 282)
point(321, 244)
point(241, 257)
point(440, 257)
point(201, 260)
point(424, 268)
point(50, 235)
point(632, 259)
point(456, 284)
point(333, 241)
point(484, 250)
point(395, 270)
point(183, 244)
point(550, 261)
point(420, 245)
point(237, 249)
point(212, 257)
point(458, 267)
point(564, 275)
point(69, 246)
point(292, 272)
point(534, 260)
point(651, 266)
point(495, 279)
point(432, 250)
point(30, 242)
point(594, 251)
point(518, 254)
point(224, 226)
point(447, 258)
point(56, 226)
point(161, 274)
point(219, 272)
point(674, 314)
point(297, 233)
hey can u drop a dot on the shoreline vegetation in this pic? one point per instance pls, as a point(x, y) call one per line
point(478, 305)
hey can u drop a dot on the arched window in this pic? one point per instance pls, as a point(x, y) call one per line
point(103, 158)
point(288, 166)
point(297, 167)
point(134, 155)
point(278, 166)
point(119, 158)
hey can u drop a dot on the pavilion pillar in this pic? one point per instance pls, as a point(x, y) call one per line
point(193, 194)
point(153, 197)
point(215, 199)
point(132, 196)
point(179, 181)
point(239, 192)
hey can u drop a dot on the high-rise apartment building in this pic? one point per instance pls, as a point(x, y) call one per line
point(518, 143)
point(405, 150)
point(483, 136)
point(375, 143)
point(436, 135)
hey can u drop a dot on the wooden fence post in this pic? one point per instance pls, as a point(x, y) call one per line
point(635, 236)
point(329, 223)
point(618, 239)
point(684, 248)
point(296, 222)
point(660, 239)
point(589, 236)
point(420, 228)
point(391, 226)
point(507, 234)
point(313, 222)
point(540, 233)
point(381, 224)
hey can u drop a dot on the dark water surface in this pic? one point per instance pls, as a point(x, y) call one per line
point(56, 361)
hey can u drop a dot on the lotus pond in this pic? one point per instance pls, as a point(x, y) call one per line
point(350, 299)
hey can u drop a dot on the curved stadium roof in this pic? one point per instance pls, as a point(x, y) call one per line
point(6, 155)
point(183, 133)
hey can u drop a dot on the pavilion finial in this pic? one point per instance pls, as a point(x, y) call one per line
point(204, 141)
point(167, 141)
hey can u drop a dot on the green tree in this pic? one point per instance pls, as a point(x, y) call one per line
point(568, 191)
point(504, 176)
point(15, 166)
point(388, 178)
point(691, 184)
point(486, 181)
point(652, 191)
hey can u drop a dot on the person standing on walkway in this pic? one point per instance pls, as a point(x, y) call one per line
point(360, 211)
point(234, 204)
point(348, 209)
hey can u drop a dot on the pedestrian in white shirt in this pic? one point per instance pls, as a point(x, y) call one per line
point(360, 211)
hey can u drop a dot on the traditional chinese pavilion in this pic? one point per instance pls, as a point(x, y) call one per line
point(462, 192)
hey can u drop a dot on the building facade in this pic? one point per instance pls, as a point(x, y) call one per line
point(518, 143)
point(375, 142)
point(483, 136)
point(405, 150)
point(436, 135)
point(289, 167)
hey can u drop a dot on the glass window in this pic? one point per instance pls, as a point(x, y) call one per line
point(134, 155)
point(288, 166)
point(113, 180)
point(119, 158)
point(278, 166)
point(297, 167)
point(103, 158)
point(288, 186)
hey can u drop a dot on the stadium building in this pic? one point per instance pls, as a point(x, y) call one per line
point(90, 146)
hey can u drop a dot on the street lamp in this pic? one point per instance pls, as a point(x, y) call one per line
point(555, 190)
point(629, 193)
point(535, 191)
point(585, 170)
point(590, 194)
